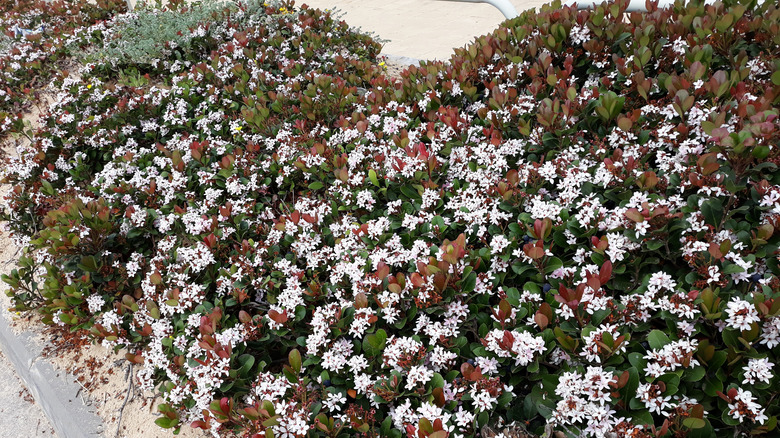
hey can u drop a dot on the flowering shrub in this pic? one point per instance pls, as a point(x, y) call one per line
point(569, 226)
point(28, 59)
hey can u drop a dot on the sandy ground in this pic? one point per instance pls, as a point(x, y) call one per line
point(422, 29)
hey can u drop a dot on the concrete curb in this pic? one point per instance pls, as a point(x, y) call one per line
point(54, 391)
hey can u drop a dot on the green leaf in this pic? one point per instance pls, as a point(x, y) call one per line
point(632, 384)
point(437, 381)
point(290, 374)
point(776, 77)
point(410, 192)
point(513, 296)
point(733, 269)
point(469, 283)
point(695, 374)
point(372, 177)
point(657, 339)
point(316, 185)
point(713, 212)
point(89, 264)
point(694, 423)
point(245, 361)
point(373, 344)
point(47, 189)
point(166, 423)
point(295, 360)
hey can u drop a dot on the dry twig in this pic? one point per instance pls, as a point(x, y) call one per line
point(128, 376)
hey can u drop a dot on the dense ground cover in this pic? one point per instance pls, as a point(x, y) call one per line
point(571, 225)
point(28, 56)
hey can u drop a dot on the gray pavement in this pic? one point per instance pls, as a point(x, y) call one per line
point(20, 416)
point(54, 393)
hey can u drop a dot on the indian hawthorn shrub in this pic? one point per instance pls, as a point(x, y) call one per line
point(571, 226)
point(28, 61)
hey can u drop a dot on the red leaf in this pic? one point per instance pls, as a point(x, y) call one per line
point(438, 397)
point(224, 405)
point(541, 320)
point(634, 215)
point(538, 229)
point(382, 270)
point(606, 272)
point(466, 369)
point(279, 318)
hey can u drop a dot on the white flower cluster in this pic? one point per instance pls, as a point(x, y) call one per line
point(674, 355)
point(651, 395)
point(585, 401)
point(744, 407)
point(758, 370)
point(521, 346)
point(742, 314)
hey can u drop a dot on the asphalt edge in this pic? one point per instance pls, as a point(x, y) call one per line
point(56, 392)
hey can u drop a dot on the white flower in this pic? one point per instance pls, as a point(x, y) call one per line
point(483, 401)
point(334, 400)
point(744, 407)
point(95, 303)
point(365, 199)
point(742, 314)
point(579, 34)
point(524, 346)
point(770, 332)
point(417, 375)
point(498, 244)
point(651, 396)
point(758, 369)
point(464, 418)
point(674, 355)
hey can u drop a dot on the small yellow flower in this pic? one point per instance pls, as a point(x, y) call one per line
point(89, 86)
point(237, 128)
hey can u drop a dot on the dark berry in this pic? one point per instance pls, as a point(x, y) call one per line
point(755, 277)
point(546, 288)
point(470, 362)
point(326, 383)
